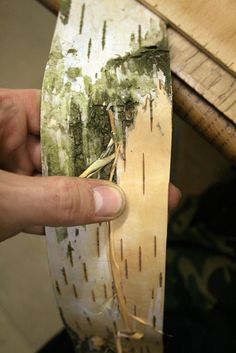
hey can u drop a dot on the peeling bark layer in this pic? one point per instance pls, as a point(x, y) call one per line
point(106, 113)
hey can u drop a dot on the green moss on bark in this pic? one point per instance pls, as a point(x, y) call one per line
point(61, 233)
point(81, 118)
point(65, 11)
point(74, 72)
point(76, 134)
point(51, 153)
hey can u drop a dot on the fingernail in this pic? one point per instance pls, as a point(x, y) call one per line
point(109, 201)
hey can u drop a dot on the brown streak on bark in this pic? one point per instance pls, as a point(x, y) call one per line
point(85, 272)
point(98, 242)
point(151, 112)
point(155, 246)
point(126, 269)
point(64, 275)
point(121, 250)
point(58, 287)
point(140, 258)
point(143, 172)
point(93, 295)
point(105, 291)
point(75, 291)
point(160, 279)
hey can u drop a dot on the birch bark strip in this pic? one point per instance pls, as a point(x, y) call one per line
point(107, 94)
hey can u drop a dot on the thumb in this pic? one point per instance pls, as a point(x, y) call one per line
point(57, 201)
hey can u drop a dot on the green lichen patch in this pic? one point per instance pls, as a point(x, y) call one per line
point(74, 72)
point(50, 152)
point(53, 78)
point(72, 51)
point(76, 134)
point(140, 68)
point(98, 130)
point(61, 234)
point(81, 119)
point(65, 11)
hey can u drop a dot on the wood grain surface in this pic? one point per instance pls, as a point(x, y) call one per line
point(205, 119)
point(210, 25)
point(204, 75)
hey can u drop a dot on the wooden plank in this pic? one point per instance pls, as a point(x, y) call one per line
point(204, 75)
point(211, 124)
point(210, 25)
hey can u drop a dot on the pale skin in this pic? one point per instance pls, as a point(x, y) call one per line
point(29, 201)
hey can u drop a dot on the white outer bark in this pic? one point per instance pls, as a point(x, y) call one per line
point(93, 312)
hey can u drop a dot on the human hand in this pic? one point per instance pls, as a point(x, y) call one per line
point(28, 202)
